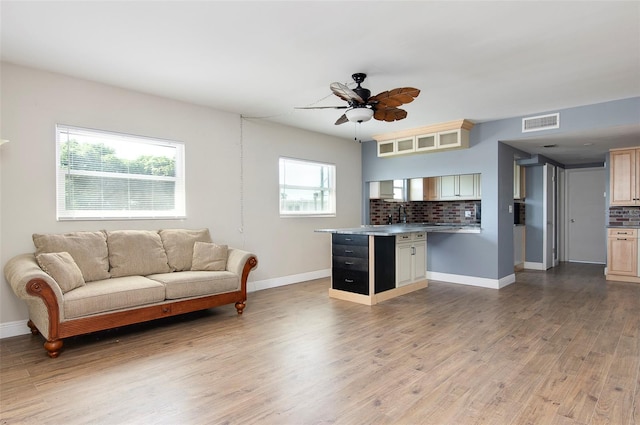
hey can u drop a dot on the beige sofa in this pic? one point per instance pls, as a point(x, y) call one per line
point(82, 282)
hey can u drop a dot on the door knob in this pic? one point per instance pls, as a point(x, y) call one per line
point(573, 221)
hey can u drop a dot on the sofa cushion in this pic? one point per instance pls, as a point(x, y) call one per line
point(112, 294)
point(136, 252)
point(209, 257)
point(197, 283)
point(88, 250)
point(178, 243)
point(61, 267)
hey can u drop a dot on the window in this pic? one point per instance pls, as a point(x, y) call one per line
point(307, 188)
point(104, 175)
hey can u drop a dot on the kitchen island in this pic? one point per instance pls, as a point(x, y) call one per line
point(374, 263)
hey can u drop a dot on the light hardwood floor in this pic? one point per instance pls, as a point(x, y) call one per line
point(557, 347)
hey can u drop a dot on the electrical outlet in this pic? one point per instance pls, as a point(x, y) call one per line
point(510, 209)
point(467, 214)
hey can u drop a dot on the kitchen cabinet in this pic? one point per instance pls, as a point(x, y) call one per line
point(423, 189)
point(622, 254)
point(399, 146)
point(350, 263)
point(381, 190)
point(459, 187)
point(625, 177)
point(450, 139)
point(411, 258)
point(365, 267)
point(438, 137)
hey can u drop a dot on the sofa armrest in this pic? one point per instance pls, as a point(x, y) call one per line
point(236, 260)
point(40, 291)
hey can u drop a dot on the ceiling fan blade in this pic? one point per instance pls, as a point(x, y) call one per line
point(389, 114)
point(320, 107)
point(343, 119)
point(396, 97)
point(345, 93)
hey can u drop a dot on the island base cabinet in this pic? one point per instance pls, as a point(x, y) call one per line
point(350, 263)
point(364, 268)
point(411, 258)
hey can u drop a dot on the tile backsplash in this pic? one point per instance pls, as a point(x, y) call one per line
point(624, 216)
point(424, 211)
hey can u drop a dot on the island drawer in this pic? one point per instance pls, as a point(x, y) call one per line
point(345, 239)
point(351, 251)
point(351, 263)
point(351, 280)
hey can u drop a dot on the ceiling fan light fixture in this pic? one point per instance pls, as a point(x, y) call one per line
point(359, 114)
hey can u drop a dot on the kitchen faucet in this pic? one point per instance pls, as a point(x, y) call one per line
point(402, 216)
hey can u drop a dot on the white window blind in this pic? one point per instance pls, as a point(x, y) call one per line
point(106, 175)
point(307, 188)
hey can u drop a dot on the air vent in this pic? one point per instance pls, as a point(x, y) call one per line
point(542, 122)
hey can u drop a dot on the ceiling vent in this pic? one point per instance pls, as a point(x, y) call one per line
point(542, 122)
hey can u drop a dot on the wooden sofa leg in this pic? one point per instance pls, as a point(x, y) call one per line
point(53, 348)
point(240, 306)
point(34, 330)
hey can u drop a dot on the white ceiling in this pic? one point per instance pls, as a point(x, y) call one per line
point(476, 60)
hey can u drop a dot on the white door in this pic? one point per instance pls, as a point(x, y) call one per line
point(549, 213)
point(586, 215)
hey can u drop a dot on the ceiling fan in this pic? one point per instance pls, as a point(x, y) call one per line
point(362, 106)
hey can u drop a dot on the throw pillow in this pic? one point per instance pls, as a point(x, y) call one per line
point(209, 257)
point(61, 267)
point(88, 249)
point(136, 252)
point(178, 243)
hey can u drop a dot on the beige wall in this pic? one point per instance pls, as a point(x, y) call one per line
point(33, 102)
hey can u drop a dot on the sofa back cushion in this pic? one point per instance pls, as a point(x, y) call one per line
point(61, 267)
point(88, 250)
point(136, 252)
point(178, 243)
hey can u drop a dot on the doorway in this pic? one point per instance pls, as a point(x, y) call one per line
point(585, 232)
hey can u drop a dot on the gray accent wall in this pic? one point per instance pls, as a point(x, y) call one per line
point(490, 253)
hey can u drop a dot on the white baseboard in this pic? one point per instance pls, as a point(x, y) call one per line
point(534, 266)
point(259, 285)
point(472, 280)
point(7, 330)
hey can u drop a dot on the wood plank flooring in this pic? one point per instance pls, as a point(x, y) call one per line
point(557, 347)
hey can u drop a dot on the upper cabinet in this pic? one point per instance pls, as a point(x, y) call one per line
point(459, 187)
point(450, 135)
point(424, 189)
point(625, 177)
point(445, 188)
point(381, 190)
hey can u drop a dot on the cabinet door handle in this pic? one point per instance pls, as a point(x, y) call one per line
point(347, 239)
point(349, 280)
point(621, 239)
point(349, 263)
point(346, 251)
point(413, 250)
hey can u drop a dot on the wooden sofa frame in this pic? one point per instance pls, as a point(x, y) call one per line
point(60, 330)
